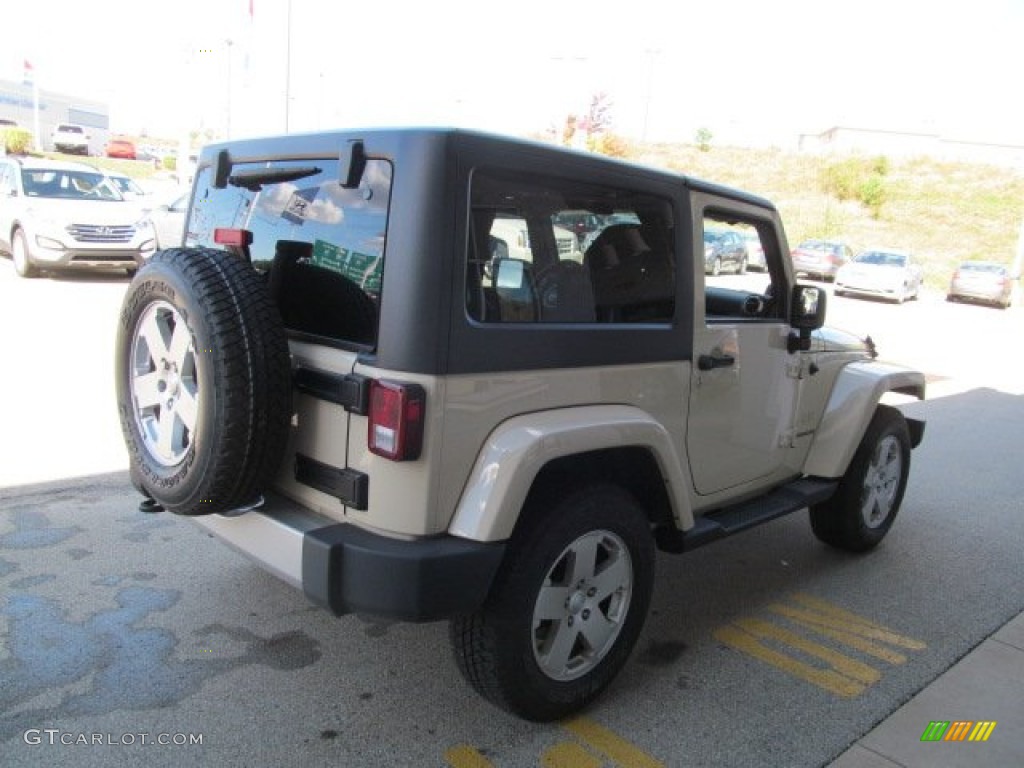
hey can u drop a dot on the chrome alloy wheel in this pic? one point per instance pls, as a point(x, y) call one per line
point(164, 383)
point(881, 482)
point(582, 605)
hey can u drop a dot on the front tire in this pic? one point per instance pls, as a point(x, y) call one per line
point(566, 609)
point(22, 257)
point(864, 507)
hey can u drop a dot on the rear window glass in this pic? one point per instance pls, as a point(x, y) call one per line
point(321, 245)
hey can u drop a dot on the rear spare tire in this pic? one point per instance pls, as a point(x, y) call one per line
point(203, 381)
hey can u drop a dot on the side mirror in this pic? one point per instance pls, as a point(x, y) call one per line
point(509, 274)
point(807, 308)
point(806, 314)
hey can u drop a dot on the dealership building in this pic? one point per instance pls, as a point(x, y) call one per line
point(17, 103)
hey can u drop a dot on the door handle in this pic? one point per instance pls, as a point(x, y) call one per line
point(710, 362)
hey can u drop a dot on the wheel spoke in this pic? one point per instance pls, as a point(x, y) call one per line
point(555, 657)
point(598, 630)
point(614, 576)
point(165, 429)
point(584, 559)
point(187, 409)
point(152, 334)
point(551, 603)
point(145, 388)
point(180, 346)
point(873, 508)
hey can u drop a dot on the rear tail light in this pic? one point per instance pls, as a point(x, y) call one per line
point(396, 420)
point(239, 238)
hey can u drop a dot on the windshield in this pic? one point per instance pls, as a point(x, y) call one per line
point(126, 186)
point(994, 269)
point(69, 185)
point(882, 259)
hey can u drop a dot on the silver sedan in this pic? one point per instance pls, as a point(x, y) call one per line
point(884, 273)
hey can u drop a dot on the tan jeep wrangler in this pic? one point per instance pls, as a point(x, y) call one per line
point(346, 377)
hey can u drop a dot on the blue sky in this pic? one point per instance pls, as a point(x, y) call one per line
point(752, 72)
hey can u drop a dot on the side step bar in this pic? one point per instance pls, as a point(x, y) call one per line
point(739, 517)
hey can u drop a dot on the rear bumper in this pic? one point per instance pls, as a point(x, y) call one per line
point(351, 570)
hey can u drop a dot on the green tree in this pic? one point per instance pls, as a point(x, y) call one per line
point(873, 193)
point(703, 139)
point(16, 140)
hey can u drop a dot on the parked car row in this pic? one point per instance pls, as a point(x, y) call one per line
point(893, 274)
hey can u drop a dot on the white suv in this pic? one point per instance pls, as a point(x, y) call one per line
point(70, 138)
point(64, 216)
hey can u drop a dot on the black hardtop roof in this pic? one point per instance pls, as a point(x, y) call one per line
point(326, 143)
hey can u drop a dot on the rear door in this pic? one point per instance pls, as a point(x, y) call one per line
point(321, 247)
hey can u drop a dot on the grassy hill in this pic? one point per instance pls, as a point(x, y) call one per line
point(944, 212)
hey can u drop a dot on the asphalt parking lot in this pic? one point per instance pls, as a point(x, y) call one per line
point(128, 639)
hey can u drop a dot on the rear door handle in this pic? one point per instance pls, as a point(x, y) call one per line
point(710, 362)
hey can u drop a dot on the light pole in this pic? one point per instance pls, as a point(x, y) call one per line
point(288, 66)
point(651, 54)
point(227, 121)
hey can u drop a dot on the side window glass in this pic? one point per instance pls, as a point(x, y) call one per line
point(546, 250)
point(738, 275)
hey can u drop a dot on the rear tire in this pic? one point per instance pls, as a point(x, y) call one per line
point(203, 381)
point(864, 507)
point(565, 610)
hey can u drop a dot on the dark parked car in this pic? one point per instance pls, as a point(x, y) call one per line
point(982, 281)
point(724, 250)
point(820, 259)
point(580, 223)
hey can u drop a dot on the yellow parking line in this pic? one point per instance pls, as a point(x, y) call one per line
point(610, 745)
point(828, 679)
point(846, 638)
point(465, 756)
point(858, 624)
point(844, 665)
point(568, 755)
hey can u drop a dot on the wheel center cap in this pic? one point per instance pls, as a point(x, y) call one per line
point(576, 602)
